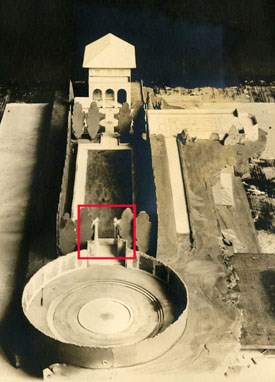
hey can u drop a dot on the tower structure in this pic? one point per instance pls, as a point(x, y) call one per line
point(109, 60)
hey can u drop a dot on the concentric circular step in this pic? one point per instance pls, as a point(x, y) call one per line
point(120, 314)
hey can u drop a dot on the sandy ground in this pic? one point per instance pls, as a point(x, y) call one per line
point(207, 219)
point(267, 241)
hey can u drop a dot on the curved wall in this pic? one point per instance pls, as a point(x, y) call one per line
point(104, 356)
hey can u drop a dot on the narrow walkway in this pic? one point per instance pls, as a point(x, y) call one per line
point(179, 201)
point(167, 246)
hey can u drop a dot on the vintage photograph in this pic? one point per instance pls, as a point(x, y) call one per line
point(137, 191)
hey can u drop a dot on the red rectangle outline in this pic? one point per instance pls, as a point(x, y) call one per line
point(134, 208)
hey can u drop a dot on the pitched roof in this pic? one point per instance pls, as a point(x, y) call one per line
point(109, 52)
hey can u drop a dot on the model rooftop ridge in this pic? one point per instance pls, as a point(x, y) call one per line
point(109, 51)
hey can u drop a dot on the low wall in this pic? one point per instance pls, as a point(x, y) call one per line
point(167, 247)
point(67, 179)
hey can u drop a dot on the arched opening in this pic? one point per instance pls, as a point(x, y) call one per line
point(97, 95)
point(109, 97)
point(121, 96)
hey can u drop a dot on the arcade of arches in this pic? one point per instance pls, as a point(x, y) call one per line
point(110, 96)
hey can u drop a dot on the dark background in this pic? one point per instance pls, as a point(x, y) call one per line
point(187, 42)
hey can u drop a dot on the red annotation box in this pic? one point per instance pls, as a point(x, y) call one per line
point(134, 210)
